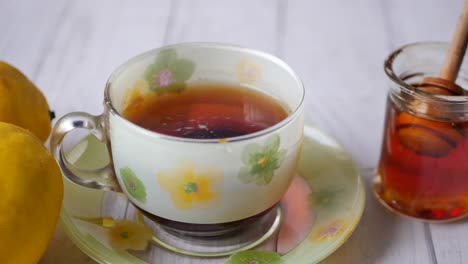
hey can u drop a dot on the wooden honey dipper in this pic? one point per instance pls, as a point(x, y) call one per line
point(433, 138)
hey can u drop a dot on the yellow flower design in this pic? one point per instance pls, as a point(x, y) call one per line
point(190, 185)
point(134, 96)
point(248, 71)
point(123, 234)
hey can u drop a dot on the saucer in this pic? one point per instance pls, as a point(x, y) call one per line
point(318, 213)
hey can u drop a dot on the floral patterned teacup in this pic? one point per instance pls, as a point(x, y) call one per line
point(204, 182)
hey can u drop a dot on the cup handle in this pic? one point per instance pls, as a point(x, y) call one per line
point(101, 178)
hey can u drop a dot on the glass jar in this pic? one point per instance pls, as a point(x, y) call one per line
point(423, 167)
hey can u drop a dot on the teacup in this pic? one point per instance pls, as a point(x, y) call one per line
point(153, 169)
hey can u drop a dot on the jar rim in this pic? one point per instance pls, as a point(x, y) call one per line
point(409, 89)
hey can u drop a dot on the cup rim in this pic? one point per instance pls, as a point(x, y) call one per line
point(294, 113)
point(407, 88)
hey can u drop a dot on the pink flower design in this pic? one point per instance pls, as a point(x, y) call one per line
point(164, 78)
point(168, 73)
point(330, 231)
point(248, 71)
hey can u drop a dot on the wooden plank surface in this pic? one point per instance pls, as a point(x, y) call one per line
point(27, 29)
point(69, 48)
point(341, 65)
point(450, 241)
point(338, 50)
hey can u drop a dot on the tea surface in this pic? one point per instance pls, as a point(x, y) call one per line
point(207, 111)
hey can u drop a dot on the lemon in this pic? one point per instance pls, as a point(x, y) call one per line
point(21, 103)
point(31, 191)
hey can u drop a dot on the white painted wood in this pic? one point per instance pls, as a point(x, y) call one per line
point(338, 50)
point(383, 237)
point(93, 38)
point(342, 66)
point(451, 242)
point(407, 24)
point(242, 22)
point(69, 48)
point(27, 28)
point(420, 20)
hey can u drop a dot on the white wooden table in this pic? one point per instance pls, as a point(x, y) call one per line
point(69, 48)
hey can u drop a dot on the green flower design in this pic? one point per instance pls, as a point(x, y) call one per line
point(261, 161)
point(168, 73)
point(255, 257)
point(133, 185)
point(325, 197)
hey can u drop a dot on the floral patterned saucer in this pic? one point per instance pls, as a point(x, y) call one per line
point(319, 212)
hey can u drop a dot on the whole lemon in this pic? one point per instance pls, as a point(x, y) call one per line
point(21, 103)
point(31, 191)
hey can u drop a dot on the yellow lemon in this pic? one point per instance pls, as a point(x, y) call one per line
point(31, 191)
point(21, 103)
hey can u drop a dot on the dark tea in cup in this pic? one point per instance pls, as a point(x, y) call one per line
point(206, 111)
point(203, 138)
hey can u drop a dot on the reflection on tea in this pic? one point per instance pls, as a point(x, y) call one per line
point(207, 111)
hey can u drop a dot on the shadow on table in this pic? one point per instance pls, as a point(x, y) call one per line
point(62, 250)
point(376, 234)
